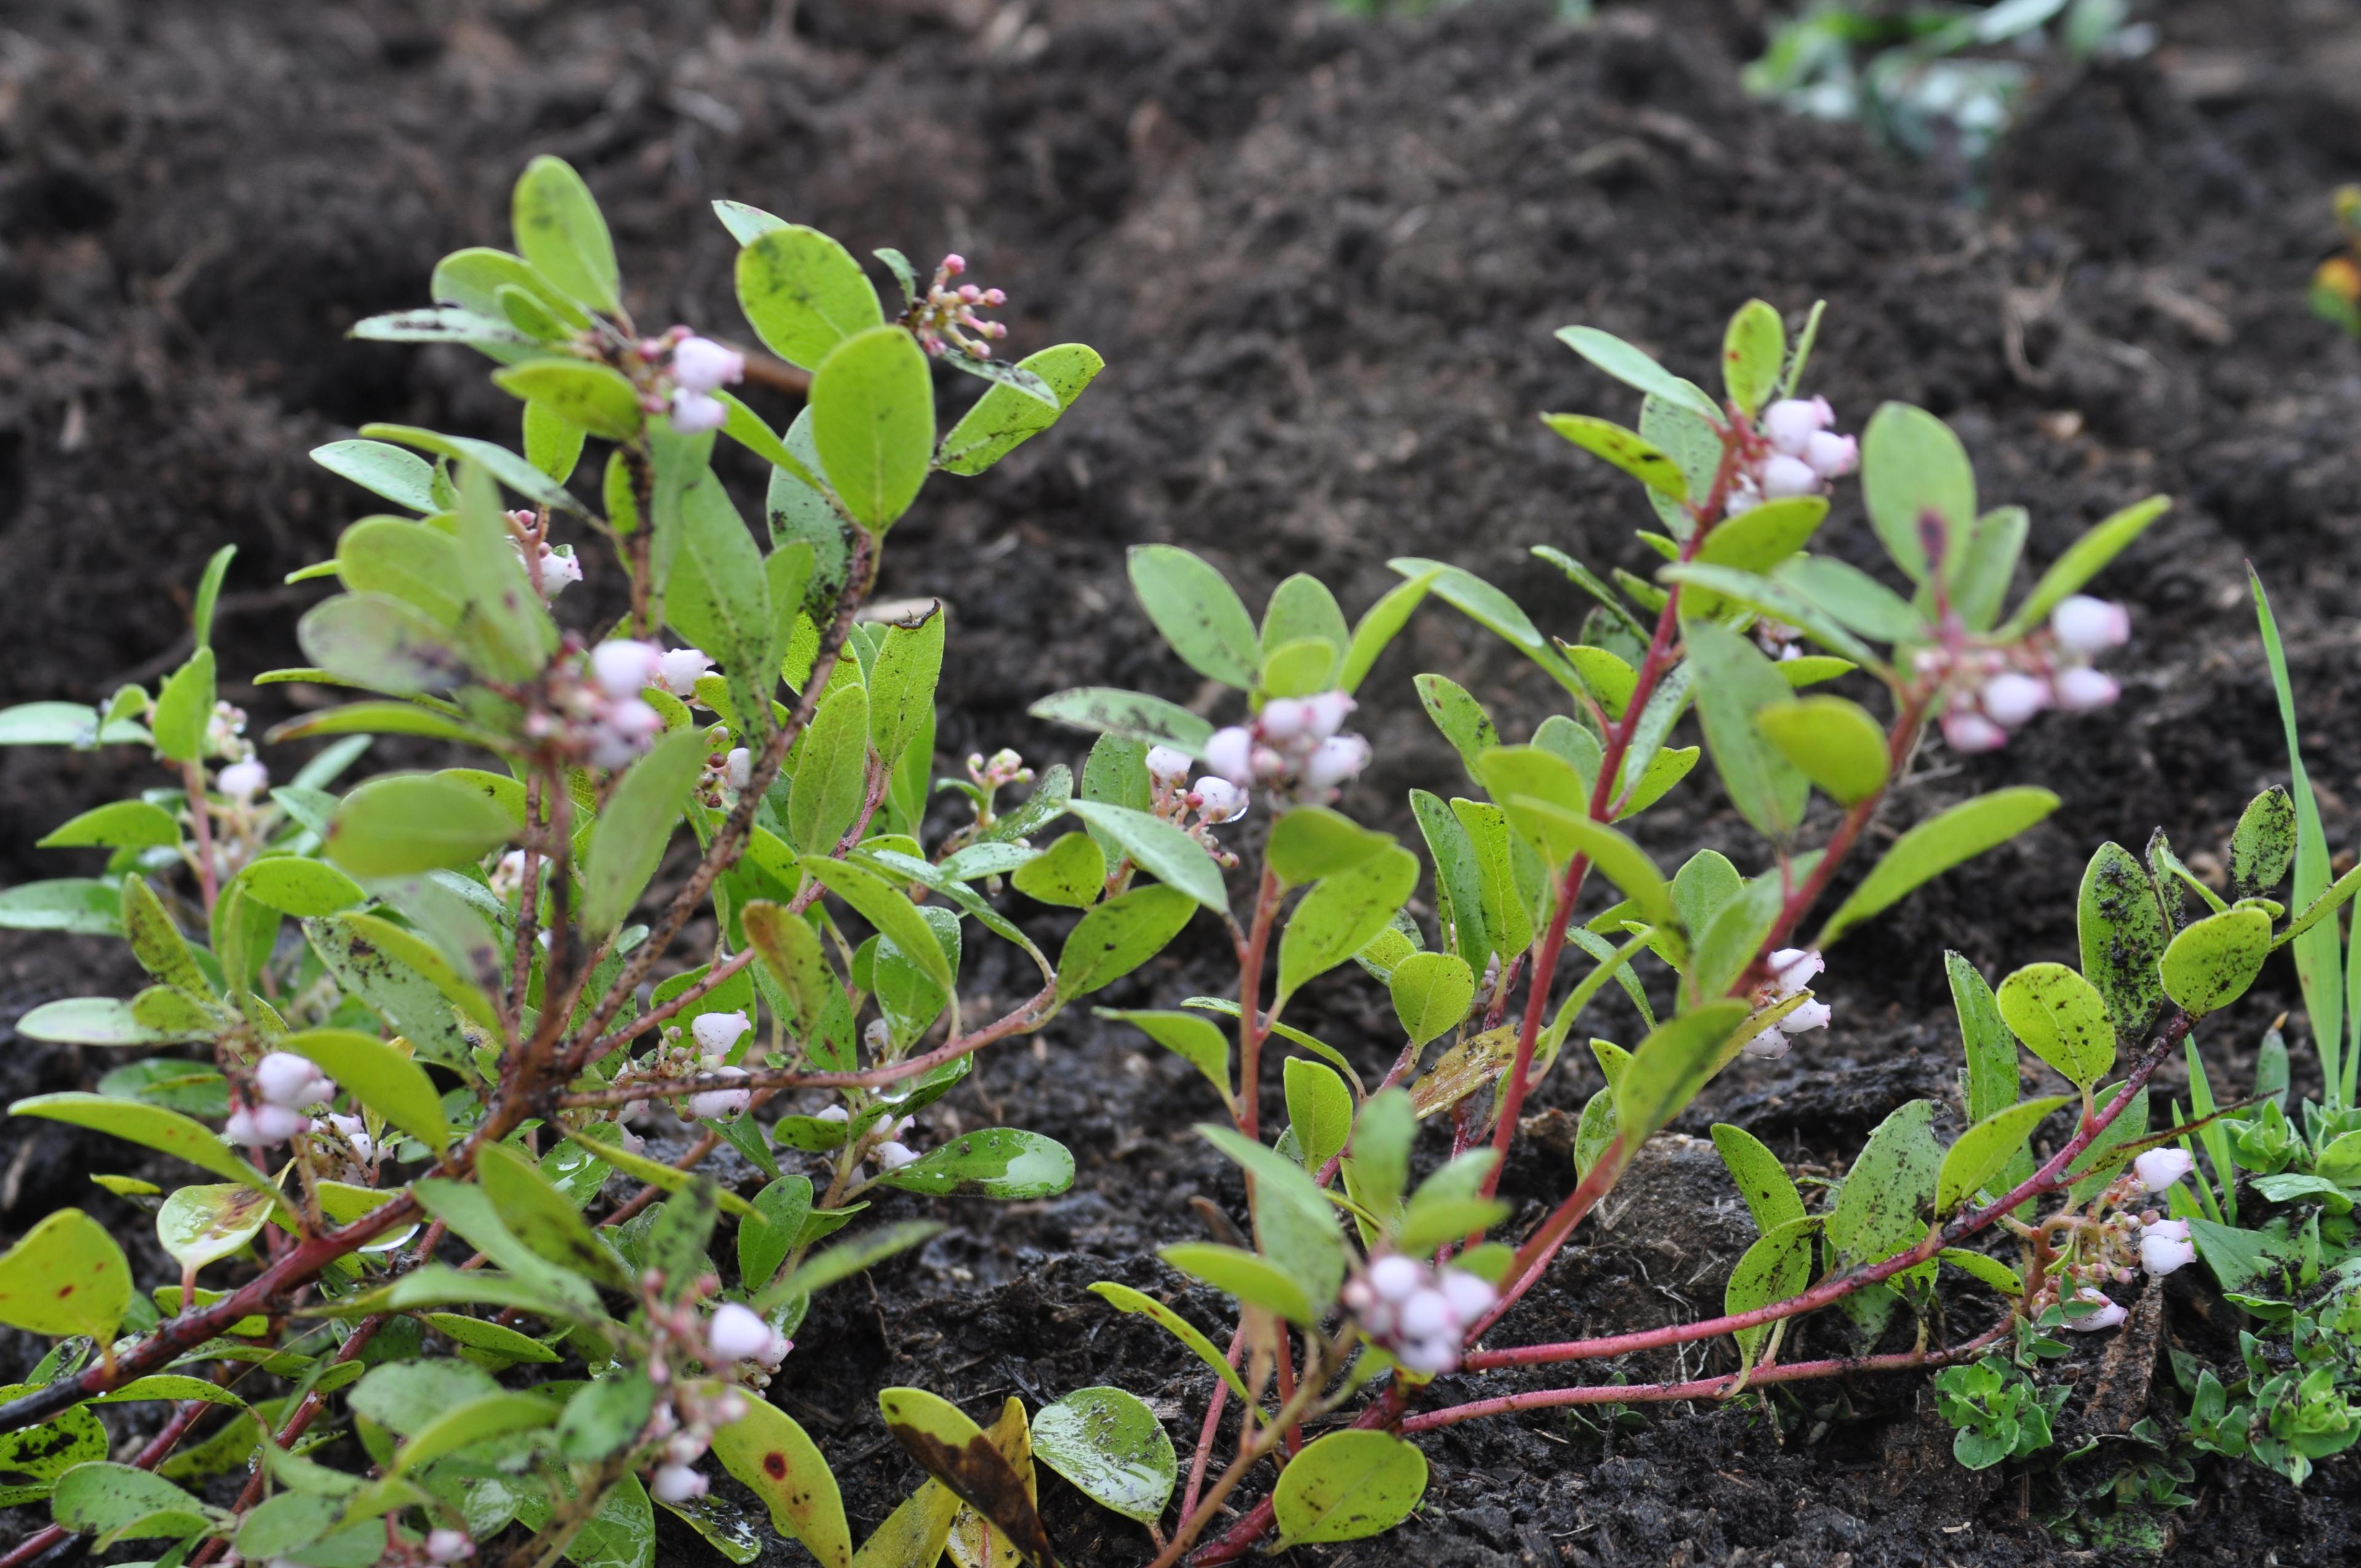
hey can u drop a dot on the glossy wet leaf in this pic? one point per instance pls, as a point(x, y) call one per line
point(2213, 961)
point(86, 906)
point(769, 1451)
point(804, 294)
point(1347, 1485)
point(1112, 1447)
point(2123, 936)
point(974, 1543)
point(1912, 467)
point(1119, 936)
point(1833, 742)
point(995, 1162)
point(956, 1452)
point(889, 911)
point(199, 1225)
point(914, 1534)
point(380, 1077)
point(543, 1218)
point(873, 407)
point(1200, 615)
point(2061, 1018)
point(402, 478)
point(67, 1275)
point(1934, 846)
point(1164, 851)
point(1004, 417)
point(560, 231)
point(1341, 914)
point(150, 1126)
point(1627, 449)
point(1988, 1149)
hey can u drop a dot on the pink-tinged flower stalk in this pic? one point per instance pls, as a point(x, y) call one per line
point(945, 318)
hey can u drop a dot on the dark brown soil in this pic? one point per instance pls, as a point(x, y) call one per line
point(1324, 260)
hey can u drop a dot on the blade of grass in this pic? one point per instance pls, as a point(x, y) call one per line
point(2316, 952)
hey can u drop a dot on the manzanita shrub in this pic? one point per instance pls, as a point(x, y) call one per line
point(449, 1286)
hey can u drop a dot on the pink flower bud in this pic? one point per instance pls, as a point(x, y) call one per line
point(1219, 800)
point(1784, 476)
point(1230, 753)
point(353, 1130)
point(954, 264)
point(1832, 456)
point(623, 667)
point(556, 572)
point(1803, 1020)
point(1168, 765)
point(1430, 1357)
point(715, 1033)
point(445, 1544)
point(677, 1484)
point(1968, 731)
point(1336, 760)
point(969, 293)
point(1395, 1277)
point(1428, 1314)
point(2165, 1246)
point(2087, 624)
point(243, 780)
point(260, 1126)
point(2159, 1169)
point(2109, 1314)
point(2081, 689)
point(1793, 968)
point(283, 1078)
point(679, 670)
point(693, 413)
point(718, 1102)
point(1768, 1046)
point(994, 297)
point(1285, 719)
point(1471, 1295)
point(1329, 711)
point(1790, 424)
point(738, 769)
point(700, 364)
point(737, 1333)
point(2010, 699)
point(891, 1155)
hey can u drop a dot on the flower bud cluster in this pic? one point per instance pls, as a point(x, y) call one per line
point(225, 733)
point(676, 374)
point(594, 711)
point(1419, 1315)
point(702, 1052)
point(945, 318)
point(1214, 800)
point(1798, 455)
point(683, 1427)
point(998, 770)
point(552, 569)
point(283, 1085)
point(1989, 691)
point(1792, 972)
point(241, 782)
point(1293, 747)
point(2130, 1236)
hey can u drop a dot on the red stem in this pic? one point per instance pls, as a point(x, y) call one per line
point(183, 1416)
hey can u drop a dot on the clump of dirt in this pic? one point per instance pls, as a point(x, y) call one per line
point(1324, 260)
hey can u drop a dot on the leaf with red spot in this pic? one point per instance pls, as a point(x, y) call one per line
point(67, 1276)
point(778, 1460)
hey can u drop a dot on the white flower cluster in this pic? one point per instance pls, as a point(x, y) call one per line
point(243, 780)
point(284, 1085)
point(225, 733)
point(1420, 1316)
point(684, 1424)
point(2164, 1247)
point(552, 569)
point(1800, 455)
point(1992, 691)
point(447, 1544)
point(1792, 969)
point(692, 369)
point(945, 317)
point(1293, 747)
point(604, 718)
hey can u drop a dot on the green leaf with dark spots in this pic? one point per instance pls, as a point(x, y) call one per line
point(2123, 933)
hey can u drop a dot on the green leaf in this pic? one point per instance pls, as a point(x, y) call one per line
point(1197, 612)
point(656, 1173)
point(789, 950)
point(1319, 1111)
point(2263, 848)
point(2319, 961)
point(603, 1418)
point(471, 1213)
point(2110, 1150)
point(1627, 449)
point(1507, 913)
point(764, 1241)
point(1490, 608)
point(553, 443)
point(1195, 1040)
point(83, 906)
point(67, 1275)
point(1993, 1081)
point(1112, 1447)
point(1985, 1149)
point(402, 823)
point(48, 1451)
point(1735, 684)
point(1458, 878)
point(1164, 851)
point(506, 466)
point(1833, 742)
point(1131, 715)
point(543, 1218)
point(719, 595)
point(1071, 873)
point(1777, 600)
point(381, 643)
point(493, 1339)
point(1378, 626)
point(891, 913)
point(417, 1003)
point(478, 1420)
point(405, 948)
point(831, 773)
point(150, 1126)
point(1348, 1484)
point(1669, 1067)
point(378, 719)
point(2123, 934)
point(1753, 348)
point(1460, 718)
point(123, 825)
point(1253, 1280)
point(1004, 417)
point(1431, 994)
point(872, 406)
point(1124, 1298)
point(2213, 961)
point(1620, 860)
point(2084, 560)
point(1855, 598)
point(1913, 467)
point(804, 294)
point(2062, 1019)
point(184, 707)
point(199, 1225)
point(1636, 370)
point(1119, 936)
point(95, 1021)
point(559, 231)
point(902, 685)
point(1879, 1210)
point(402, 478)
point(771, 1455)
point(1340, 914)
point(995, 1162)
point(1763, 1181)
point(1980, 572)
point(119, 1502)
point(292, 884)
point(1776, 1266)
point(1987, 1271)
point(1934, 846)
point(584, 394)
